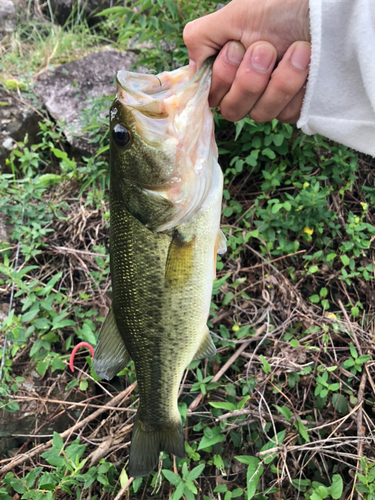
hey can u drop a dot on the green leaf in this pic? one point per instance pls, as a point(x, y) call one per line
point(355, 311)
point(57, 442)
point(25, 318)
point(302, 430)
point(278, 139)
point(237, 492)
point(266, 365)
point(42, 367)
point(63, 324)
point(179, 491)
point(276, 441)
point(285, 412)
point(242, 403)
point(221, 488)
point(172, 477)
point(363, 359)
point(137, 484)
point(254, 472)
point(223, 405)
point(51, 283)
point(315, 299)
point(330, 257)
point(269, 153)
point(53, 459)
point(124, 478)
point(49, 179)
point(345, 260)
point(83, 385)
point(211, 437)
point(58, 364)
point(228, 297)
point(353, 351)
point(196, 472)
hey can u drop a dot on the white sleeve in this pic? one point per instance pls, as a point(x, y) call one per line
point(340, 95)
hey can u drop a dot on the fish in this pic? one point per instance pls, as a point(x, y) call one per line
point(165, 207)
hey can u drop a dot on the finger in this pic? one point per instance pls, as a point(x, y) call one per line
point(251, 79)
point(205, 36)
point(292, 111)
point(286, 81)
point(224, 70)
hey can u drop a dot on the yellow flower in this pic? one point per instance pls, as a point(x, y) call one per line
point(235, 328)
point(364, 206)
point(331, 315)
point(306, 185)
point(309, 231)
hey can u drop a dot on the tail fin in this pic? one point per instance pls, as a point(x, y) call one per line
point(147, 445)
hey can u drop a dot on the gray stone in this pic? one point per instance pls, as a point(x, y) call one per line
point(17, 120)
point(7, 17)
point(65, 91)
point(62, 9)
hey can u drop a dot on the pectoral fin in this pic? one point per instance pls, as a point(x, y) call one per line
point(206, 348)
point(179, 267)
point(220, 247)
point(221, 243)
point(110, 355)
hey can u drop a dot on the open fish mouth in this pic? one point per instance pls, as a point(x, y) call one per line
point(170, 113)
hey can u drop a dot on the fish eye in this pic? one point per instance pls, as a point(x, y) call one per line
point(121, 135)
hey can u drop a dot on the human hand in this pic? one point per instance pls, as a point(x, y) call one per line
point(252, 35)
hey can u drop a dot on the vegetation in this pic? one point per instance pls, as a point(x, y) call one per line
point(285, 409)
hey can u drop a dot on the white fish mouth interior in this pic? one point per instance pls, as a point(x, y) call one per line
point(171, 113)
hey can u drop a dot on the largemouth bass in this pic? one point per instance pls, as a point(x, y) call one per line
point(165, 201)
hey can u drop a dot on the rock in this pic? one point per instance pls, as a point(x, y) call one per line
point(16, 120)
point(62, 9)
point(66, 90)
point(7, 17)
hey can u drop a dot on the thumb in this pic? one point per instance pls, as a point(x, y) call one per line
point(206, 36)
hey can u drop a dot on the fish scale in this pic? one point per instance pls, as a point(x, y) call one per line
point(165, 218)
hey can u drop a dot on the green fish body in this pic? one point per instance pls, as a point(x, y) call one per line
point(165, 198)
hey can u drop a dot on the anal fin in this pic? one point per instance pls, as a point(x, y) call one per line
point(206, 348)
point(110, 355)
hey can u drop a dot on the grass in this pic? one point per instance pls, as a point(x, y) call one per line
point(285, 409)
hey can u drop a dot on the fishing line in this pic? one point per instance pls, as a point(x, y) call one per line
point(12, 293)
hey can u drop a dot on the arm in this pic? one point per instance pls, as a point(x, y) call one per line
point(340, 96)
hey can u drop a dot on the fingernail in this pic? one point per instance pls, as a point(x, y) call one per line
point(192, 68)
point(301, 56)
point(262, 58)
point(235, 52)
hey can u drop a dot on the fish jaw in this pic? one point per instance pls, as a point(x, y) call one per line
point(170, 114)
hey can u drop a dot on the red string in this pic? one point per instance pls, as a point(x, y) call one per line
point(81, 344)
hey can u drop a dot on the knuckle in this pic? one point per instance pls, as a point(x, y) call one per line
point(260, 116)
point(284, 87)
point(230, 114)
point(288, 115)
point(250, 88)
point(190, 33)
